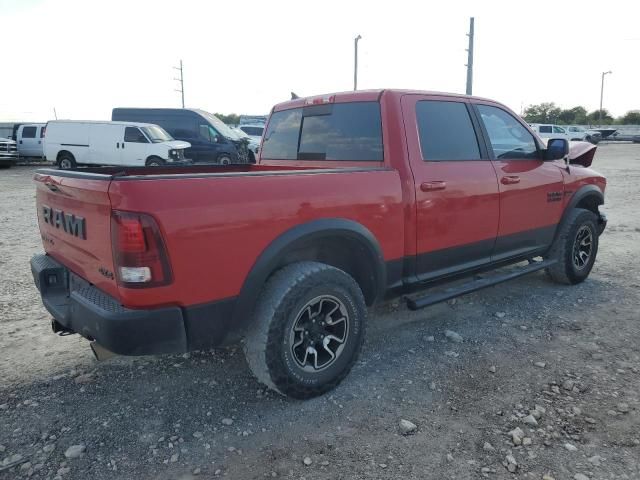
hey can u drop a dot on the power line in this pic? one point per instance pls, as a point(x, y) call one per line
point(181, 80)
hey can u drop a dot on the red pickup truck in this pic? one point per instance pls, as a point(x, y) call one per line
point(355, 196)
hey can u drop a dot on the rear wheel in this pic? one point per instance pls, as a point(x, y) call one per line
point(307, 330)
point(575, 248)
point(154, 162)
point(66, 161)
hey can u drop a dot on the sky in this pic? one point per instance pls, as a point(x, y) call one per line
point(85, 57)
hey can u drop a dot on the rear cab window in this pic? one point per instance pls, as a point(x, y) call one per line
point(327, 132)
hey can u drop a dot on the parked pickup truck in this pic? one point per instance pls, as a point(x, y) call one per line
point(355, 196)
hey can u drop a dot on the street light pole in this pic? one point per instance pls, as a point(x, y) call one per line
point(601, 95)
point(355, 63)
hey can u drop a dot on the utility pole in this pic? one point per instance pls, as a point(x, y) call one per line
point(181, 80)
point(55, 114)
point(355, 64)
point(601, 95)
point(469, 65)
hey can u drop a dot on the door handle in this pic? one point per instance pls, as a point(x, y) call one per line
point(117, 144)
point(510, 179)
point(433, 186)
point(20, 142)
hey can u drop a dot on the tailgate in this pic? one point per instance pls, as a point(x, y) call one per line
point(74, 217)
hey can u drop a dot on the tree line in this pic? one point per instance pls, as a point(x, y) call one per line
point(549, 112)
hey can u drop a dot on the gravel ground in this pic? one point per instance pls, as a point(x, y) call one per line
point(545, 383)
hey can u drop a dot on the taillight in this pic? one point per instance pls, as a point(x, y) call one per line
point(139, 255)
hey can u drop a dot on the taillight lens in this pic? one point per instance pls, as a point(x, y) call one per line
point(139, 254)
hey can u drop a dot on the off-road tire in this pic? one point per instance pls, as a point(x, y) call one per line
point(268, 348)
point(67, 161)
point(565, 270)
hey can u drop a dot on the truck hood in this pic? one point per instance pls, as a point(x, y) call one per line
point(580, 153)
point(178, 144)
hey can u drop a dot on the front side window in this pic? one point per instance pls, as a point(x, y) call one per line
point(509, 139)
point(337, 132)
point(446, 131)
point(29, 132)
point(208, 133)
point(134, 135)
point(558, 130)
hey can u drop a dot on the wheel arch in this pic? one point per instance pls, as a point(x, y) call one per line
point(62, 152)
point(588, 197)
point(342, 243)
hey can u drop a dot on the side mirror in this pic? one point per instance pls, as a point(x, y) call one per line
point(557, 148)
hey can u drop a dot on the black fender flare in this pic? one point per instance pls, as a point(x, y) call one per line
point(269, 260)
point(582, 193)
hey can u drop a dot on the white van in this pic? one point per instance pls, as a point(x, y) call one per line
point(71, 143)
point(29, 138)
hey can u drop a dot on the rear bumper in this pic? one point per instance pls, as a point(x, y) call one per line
point(80, 307)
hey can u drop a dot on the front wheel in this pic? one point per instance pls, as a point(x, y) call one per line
point(224, 160)
point(575, 247)
point(307, 331)
point(154, 162)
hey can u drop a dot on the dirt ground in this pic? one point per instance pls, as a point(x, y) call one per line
point(559, 363)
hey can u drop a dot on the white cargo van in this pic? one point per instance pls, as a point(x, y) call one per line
point(71, 143)
point(29, 139)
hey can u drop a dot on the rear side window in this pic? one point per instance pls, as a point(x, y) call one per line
point(134, 135)
point(337, 132)
point(29, 132)
point(545, 129)
point(509, 139)
point(446, 131)
point(255, 131)
point(281, 139)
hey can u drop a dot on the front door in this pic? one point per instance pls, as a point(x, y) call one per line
point(135, 147)
point(457, 198)
point(531, 190)
point(28, 142)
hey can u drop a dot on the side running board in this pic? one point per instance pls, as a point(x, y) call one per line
point(417, 303)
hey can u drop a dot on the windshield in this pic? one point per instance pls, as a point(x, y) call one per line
point(220, 126)
point(157, 134)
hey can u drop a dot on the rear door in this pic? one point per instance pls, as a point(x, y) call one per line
point(74, 216)
point(457, 198)
point(105, 143)
point(531, 190)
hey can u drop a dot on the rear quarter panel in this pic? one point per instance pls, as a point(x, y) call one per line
point(215, 228)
